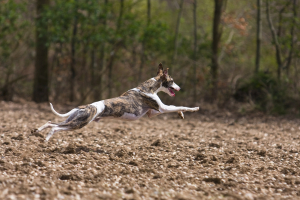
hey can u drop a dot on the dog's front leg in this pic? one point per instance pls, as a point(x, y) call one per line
point(168, 109)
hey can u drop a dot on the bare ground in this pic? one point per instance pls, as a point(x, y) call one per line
point(205, 156)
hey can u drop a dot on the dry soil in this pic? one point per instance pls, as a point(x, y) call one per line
point(205, 156)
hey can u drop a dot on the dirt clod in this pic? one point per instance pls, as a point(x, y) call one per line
point(156, 143)
point(213, 180)
point(19, 137)
point(232, 160)
point(214, 145)
point(121, 153)
point(134, 163)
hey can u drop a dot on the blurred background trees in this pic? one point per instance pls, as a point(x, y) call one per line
point(87, 50)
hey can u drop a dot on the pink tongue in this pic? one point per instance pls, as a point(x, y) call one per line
point(173, 94)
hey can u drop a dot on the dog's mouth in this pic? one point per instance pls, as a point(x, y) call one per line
point(172, 91)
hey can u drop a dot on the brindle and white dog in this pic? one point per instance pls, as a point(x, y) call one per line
point(131, 105)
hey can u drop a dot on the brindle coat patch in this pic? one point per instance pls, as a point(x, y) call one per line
point(136, 102)
point(81, 117)
point(150, 86)
point(167, 81)
point(132, 102)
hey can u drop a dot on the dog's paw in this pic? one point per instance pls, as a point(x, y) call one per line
point(181, 114)
point(195, 109)
point(34, 131)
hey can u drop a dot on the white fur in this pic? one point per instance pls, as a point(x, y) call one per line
point(54, 130)
point(135, 89)
point(63, 115)
point(175, 86)
point(100, 107)
point(166, 90)
point(163, 89)
point(47, 125)
point(166, 109)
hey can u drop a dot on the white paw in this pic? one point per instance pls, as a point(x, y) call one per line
point(47, 138)
point(194, 109)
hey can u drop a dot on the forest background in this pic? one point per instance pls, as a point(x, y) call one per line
point(218, 51)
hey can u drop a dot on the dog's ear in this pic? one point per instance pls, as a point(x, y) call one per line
point(160, 69)
point(166, 71)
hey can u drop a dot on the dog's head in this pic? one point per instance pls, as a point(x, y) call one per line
point(167, 83)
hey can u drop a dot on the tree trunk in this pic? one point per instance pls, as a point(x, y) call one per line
point(93, 69)
point(72, 64)
point(115, 48)
point(177, 30)
point(195, 49)
point(258, 35)
point(289, 59)
point(280, 18)
point(40, 85)
point(143, 42)
point(275, 39)
point(98, 91)
point(7, 89)
point(219, 5)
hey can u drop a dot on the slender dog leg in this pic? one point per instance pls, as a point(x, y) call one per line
point(54, 130)
point(47, 125)
point(168, 109)
point(152, 113)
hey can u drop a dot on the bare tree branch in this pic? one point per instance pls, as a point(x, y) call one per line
point(275, 40)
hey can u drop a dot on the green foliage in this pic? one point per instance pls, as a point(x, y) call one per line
point(60, 19)
point(11, 26)
point(136, 38)
point(130, 29)
point(156, 37)
point(87, 15)
point(266, 92)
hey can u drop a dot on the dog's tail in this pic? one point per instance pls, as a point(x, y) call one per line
point(63, 115)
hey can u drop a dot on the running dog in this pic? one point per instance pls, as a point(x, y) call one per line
point(131, 105)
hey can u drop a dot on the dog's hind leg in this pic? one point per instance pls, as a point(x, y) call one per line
point(47, 125)
point(152, 113)
point(54, 130)
point(76, 120)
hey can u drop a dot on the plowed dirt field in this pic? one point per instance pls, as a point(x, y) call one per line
point(205, 156)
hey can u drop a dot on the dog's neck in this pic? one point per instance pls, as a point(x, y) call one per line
point(152, 85)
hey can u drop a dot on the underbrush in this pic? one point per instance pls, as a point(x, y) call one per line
point(267, 93)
